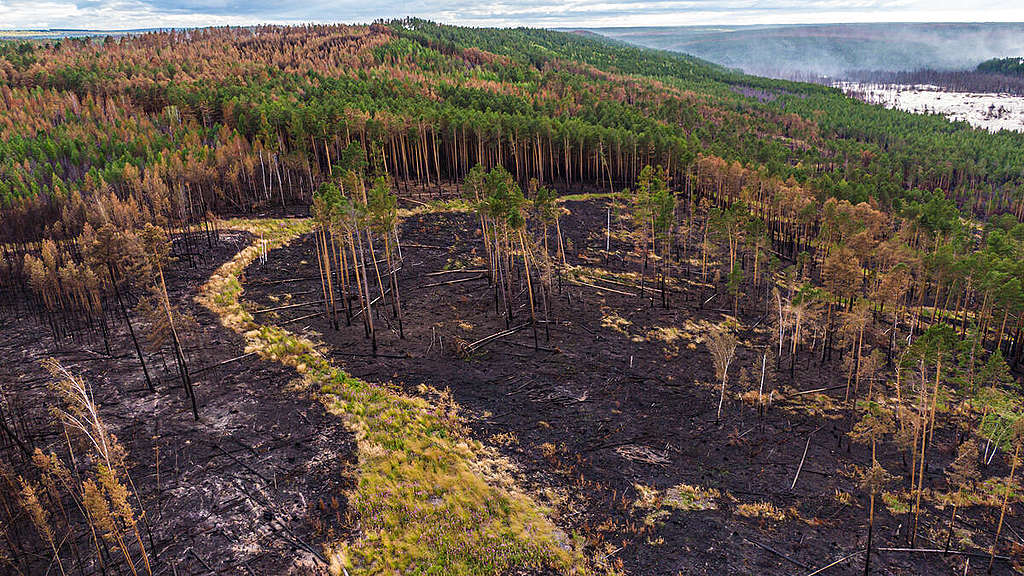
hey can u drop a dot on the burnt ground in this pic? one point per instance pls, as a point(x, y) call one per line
point(251, 488)
point(597, 411)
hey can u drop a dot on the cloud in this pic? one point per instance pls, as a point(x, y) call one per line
point(129, 14)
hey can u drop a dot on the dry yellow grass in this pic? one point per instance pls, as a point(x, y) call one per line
point(761, 510)
point(613, 321)
point(657, 505)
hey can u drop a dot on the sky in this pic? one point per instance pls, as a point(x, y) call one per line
point(128, 14)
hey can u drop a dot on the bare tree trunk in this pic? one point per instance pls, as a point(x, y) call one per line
point(131, 330)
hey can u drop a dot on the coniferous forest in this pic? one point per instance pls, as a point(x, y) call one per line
point(409, 298)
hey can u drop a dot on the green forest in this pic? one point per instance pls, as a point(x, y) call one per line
point(1005, 66)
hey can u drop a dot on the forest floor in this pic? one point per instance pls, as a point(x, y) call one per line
point(253, 488)
point(612, 422)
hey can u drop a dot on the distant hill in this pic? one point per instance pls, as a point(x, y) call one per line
point(58, 33)
point(1004, 66)
point(834, 49)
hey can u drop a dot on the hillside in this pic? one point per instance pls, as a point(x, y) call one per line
point(409, 298)
point(834, 50)
point(433, 77)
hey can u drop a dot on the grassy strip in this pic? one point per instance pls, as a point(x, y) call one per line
point(429, 499)
point(436, 206)
point(591, 196)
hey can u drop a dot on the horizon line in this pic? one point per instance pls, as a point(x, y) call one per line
point(557, 28)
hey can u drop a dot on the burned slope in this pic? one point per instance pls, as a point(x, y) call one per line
point(612, 413)
point(252, 487)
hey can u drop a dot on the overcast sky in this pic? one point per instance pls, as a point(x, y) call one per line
point(123, 14)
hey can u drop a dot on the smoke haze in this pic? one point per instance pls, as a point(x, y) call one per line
point(835, 49)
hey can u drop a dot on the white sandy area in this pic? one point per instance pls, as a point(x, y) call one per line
point(992, 112)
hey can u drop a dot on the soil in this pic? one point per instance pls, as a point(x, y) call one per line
point(598, 410)
point(254, 487)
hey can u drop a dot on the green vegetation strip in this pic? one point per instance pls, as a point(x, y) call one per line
point(429, 500)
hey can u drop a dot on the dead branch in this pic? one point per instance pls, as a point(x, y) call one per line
point(802, 458)
point(936, 551)
point(831, 564)
point(288, 306)
point(488, 339)
point(771, 550)
point(460, 280)
point(228, 361)
point(466, 270)
point(595, 286)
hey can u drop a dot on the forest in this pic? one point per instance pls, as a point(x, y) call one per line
point(411, 298)
point(987, 77)
point(1004, 66)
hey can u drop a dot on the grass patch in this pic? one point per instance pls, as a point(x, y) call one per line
point(429, 499)
point(686, 497)
point(897, 502)
point(437, 206)
point(666, 334)
point(658, 505)
point(613, 321)
point(590, 196)
point(761, 510)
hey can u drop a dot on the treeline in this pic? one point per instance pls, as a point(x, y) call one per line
point(953, 80)
point(244, 118)
point(924, 258)
point(1004, 66)
point(824, 140)
point(235, 137)
point(169, 128)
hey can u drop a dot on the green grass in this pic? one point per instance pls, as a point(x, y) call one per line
point(429, 499)
point(589, 196)
point(686, 497)
point(437, 206)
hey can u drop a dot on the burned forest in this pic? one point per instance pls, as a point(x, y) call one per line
point(410, 298)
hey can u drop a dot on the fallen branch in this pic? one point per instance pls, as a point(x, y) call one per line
point(802, 458)
point(228, 361)
point(372, 302)
point(487, 339)
point(936, 551)
point(423, 246)
point(307, 316)
point(777, 553)
point(460, 280)
point(840, 561)
point(623, 284)
point(817, 390)
point(613, 291)
point(10, 434)
point(286, 281)
point(201, 561)
point(407, 199)
point(244, 465)
point(443, 272)
point(288, 306)
point(280, 528)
